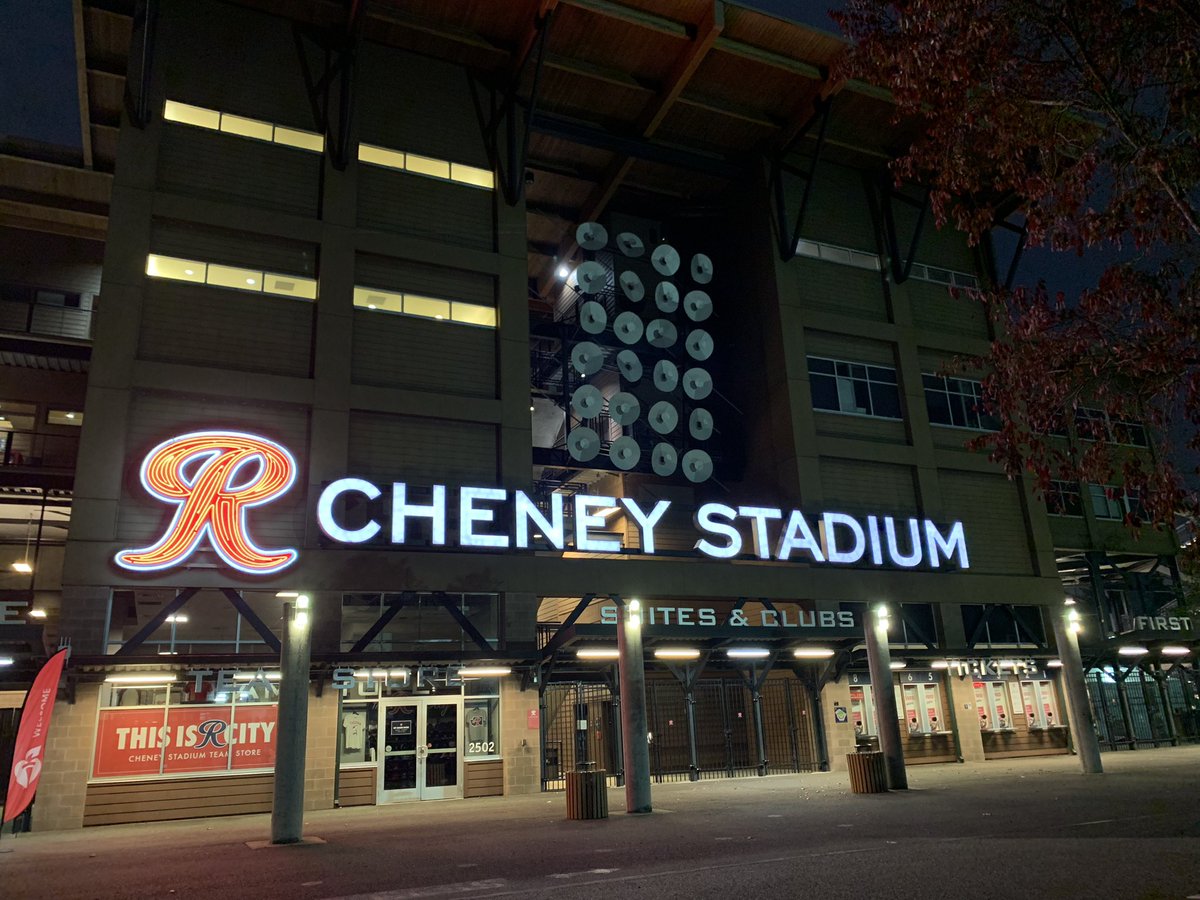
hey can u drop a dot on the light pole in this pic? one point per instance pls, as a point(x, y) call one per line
point(287, 811)
point(879, 661)
point(1067, 625)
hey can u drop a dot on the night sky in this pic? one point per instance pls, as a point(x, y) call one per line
point(39, 95)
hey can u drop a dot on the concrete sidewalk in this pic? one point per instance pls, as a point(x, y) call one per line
point(1031, 827)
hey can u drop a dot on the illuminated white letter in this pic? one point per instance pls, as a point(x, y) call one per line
point(956, 540)
point(828, 521)
point(527, 512)
point(873, 531)
point(798, 536)
point(468, 515)
point(762, 543)
point(914, 558)
point(585, 520)
point(325, 510)
point(435, 512)
point(646, 523)
point(706, 522)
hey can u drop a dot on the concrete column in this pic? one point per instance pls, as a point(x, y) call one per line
point(961, 693)
point(634, 727)
point(287, 810)
point(879, 661)
point(1083, 729)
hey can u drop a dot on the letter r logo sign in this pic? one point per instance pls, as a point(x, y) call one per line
point(213, 478)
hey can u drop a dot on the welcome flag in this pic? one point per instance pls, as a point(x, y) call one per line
point(30, 748)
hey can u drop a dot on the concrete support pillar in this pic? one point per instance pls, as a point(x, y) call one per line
point(1083, 729)
point(287, 811)
point(879, 661)
point(965, 720)
point(618, 740)
point(634, 726)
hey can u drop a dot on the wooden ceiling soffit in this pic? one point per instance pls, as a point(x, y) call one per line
point(651, 117)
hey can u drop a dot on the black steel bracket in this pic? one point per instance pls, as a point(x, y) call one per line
point(465, 624)
point(169, 609)
point(240, 604)
point(901, 266)
point(141, 62)
point(507, 123)
point(563, 633)
point(383, 621)
point(340, 50)
point(788, 235)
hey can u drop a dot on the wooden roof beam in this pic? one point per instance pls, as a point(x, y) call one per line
point(706, 34)
point(633, 16)
point(31, 176)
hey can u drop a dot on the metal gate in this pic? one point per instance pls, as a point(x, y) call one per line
point(1143, 716)
point(578, 725)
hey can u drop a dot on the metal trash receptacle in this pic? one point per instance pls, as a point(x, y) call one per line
point(587, 795)
point(868, 774)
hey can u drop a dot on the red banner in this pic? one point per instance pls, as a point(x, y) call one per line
point(30, 748)
point(199, 738)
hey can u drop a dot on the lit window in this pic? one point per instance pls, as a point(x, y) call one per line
point(473, 314)
point(428, 307)
point(251, 128)
point(257, 129)
point(233, 277)
point(290, 286)
point(854, 388)
point(380, 156)
point(957, 402)
point(483, 178)
point(385, 301)
point(175, 269)
point(174, 111)
point(427, 166)
point(303, 140)
point(846, 256)
point(64, 417)
point(424, 165)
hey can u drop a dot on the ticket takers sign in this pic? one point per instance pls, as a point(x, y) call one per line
point(215, 480)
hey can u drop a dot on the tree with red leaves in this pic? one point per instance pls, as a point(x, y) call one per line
point(1083, 117)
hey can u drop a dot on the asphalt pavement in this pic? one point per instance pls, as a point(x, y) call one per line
point(1008, 828)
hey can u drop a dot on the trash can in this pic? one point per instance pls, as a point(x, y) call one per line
point(587, 794)
point(868, 774)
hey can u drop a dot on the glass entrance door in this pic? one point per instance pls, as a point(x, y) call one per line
point(420, 754)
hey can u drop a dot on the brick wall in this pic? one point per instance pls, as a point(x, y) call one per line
point(521, 745)
point(63, 787)
point(321, 760)
point(839, 738)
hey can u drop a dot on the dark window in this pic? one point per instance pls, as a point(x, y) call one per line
point(857, 388)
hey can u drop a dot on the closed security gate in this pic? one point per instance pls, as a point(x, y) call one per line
point(579, 726)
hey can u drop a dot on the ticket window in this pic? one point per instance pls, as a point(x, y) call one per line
point(1041, 704)
point(922, 706)
point(862, 711)
point(992, 706)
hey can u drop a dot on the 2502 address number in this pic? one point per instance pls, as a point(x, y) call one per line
point(481, 746)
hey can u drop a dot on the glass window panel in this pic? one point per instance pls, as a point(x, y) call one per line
point(290, 286)
point(251, 128)
point(380, 156)
point(845, 394)
point(176, 269)
point(824, 392)
point(824, 366)
point(64, 417)
point(939, 407)
point(473, 314)
point(304, 140)
point(358, 733)
point(808, 248)
point(429, 307)
point(481, 726)
point(173, 111)
point(234, 277)
point(862, 397)
point(885, 400)
point(858, 371)
point(425, 165)
point(835, 254)
point(879, 373)
point(472, 175)
point(370, 298)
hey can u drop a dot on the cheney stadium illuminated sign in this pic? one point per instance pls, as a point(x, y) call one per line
point(214, 478)
point(845, 539)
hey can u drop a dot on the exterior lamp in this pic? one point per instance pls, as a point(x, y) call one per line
point(635, 617)
point(747, 653)
point(6, 660)
point(598, 653)
point(1070, 601)
point(812, 653)
point(883, 615)
point(939, 664)
point(898, 664)
point(37, 613)
point(484, 671)
point(1054, 664)
point(255, 676)
point(154, 679)
point(284, 595)
point(1132, 650)
point(676, 653)
point(1073, 622)
point(301, 614)
point(1174, 650)
point(23, 566)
